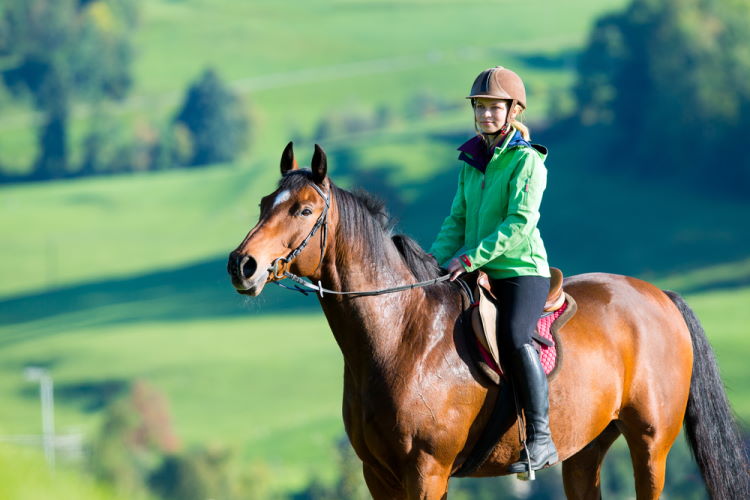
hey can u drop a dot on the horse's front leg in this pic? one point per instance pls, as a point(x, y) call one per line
point(379, 487)
point(422, 482)
point(428, 480)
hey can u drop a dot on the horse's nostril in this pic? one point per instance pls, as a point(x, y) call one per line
point(247, 267)
point(241, 266)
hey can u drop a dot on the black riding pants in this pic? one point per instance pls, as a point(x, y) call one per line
point(520, 303)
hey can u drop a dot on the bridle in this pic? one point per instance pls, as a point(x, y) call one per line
point(277, 272)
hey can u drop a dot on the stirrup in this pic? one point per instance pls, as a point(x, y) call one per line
point(525, 461)
point(529, 475)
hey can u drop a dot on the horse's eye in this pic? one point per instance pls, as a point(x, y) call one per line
point(306, 212)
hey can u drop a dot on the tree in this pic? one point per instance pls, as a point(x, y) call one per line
point(670, 79)
point(54, 50)
point(214, 117)
point(135, 434)
point(138, 452)
point(207, 472)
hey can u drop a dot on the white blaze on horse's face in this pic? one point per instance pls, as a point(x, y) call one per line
point(281, 198)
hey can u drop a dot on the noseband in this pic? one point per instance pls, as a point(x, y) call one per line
point(276, 270)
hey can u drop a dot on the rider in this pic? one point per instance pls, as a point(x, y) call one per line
point(492, 226)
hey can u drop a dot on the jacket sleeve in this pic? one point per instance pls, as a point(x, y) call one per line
point(525, 197)
point(451, 235)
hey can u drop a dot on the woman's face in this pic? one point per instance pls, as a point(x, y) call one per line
point(490, 114)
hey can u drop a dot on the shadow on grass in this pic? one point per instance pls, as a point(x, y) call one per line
point(200, 290)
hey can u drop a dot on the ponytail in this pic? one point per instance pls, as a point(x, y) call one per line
point(518, 125)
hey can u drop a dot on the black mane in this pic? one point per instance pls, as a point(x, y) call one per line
point(364, 215)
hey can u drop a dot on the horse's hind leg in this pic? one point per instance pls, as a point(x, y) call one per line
point(581, 472)
point(649, 445)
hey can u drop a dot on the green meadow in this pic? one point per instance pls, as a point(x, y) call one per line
point(114, 279)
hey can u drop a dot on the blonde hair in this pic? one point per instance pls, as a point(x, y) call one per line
point(520, 126)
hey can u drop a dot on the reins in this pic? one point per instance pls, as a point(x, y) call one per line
point(277, 274)
point(321, 290)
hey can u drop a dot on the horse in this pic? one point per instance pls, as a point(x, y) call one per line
point(636, 360)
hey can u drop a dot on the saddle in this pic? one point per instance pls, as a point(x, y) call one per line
point(558, 309)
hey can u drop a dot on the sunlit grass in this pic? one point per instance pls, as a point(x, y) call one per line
point(24, 475)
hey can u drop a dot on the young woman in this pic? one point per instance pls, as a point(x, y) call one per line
point(492, 226)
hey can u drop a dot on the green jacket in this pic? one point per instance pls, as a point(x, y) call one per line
point(493, 219)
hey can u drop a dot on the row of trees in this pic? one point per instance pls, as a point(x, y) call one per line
point(57, 53)
point(670, 79)
point(210, 126)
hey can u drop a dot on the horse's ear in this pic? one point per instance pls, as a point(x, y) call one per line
point(287, 159)
point(319, 165)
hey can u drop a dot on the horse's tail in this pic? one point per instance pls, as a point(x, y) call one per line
point(711, 431)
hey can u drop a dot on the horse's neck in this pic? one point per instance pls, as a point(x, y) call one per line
point(370, 329)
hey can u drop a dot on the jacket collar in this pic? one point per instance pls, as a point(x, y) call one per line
point(475, 153)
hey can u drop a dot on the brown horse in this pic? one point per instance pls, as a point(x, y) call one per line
point(636, 360)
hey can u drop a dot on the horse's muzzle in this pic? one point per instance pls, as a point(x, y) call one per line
point(242, 270)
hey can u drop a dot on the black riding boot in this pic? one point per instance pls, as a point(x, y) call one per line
point(530, 384)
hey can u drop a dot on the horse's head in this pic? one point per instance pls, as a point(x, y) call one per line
point(292, 229)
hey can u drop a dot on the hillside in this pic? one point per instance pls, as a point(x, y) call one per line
point(298, 63)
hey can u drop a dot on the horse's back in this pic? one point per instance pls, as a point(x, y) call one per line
point(626, 348)
point(627, 308)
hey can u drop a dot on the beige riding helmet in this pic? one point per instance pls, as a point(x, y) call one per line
point(499, 83)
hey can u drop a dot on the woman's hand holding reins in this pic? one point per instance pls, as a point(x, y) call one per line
point(455, 268)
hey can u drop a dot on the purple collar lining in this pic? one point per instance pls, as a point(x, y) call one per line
point(475, 153)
